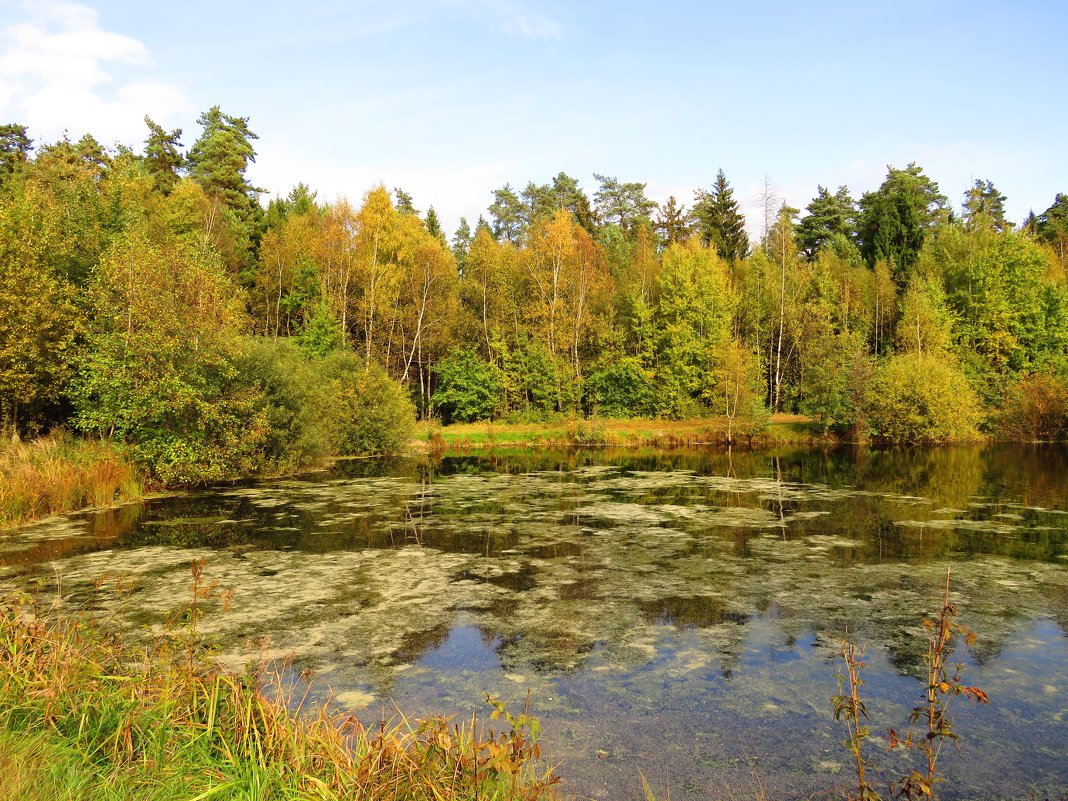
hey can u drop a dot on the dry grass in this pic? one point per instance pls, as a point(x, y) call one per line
point(61, 474)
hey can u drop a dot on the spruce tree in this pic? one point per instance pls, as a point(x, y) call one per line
point(719, 220)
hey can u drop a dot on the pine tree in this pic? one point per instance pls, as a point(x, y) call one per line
point(433, 225)
point(405, 203)
point(15, 147)
point(217, 161)
point(896, 218)
point(984, 207)
point(829, 216)
point(672, 223)
point(163, 156)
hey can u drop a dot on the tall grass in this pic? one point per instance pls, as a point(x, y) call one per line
point(87, 716)
point(61, 474)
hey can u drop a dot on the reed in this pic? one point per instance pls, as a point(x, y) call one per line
point(59, 474)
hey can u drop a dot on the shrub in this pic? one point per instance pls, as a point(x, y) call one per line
point(620, 388)
point(916, 398)
point(366, 411)
point(288, 397)
point(468, 388)
point(1035, 410)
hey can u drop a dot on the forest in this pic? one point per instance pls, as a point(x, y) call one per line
point(149, 298)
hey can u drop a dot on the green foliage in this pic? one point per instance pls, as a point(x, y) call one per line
point(532, 380)
point(1010, 315)
point(830, 218)
point(720, 222)
point(915, 397)
point(159, 370)
point(693, 317)
point(620, 387)
point(829, 361)
point(321, 334)
point(896, 218)
point(468, 388)
point(289, 398)
point(369, 412)
point(1052, 225)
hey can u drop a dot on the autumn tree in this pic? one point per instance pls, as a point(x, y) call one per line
point(39, 321)
point(693, 315)
point(426, 303)
point(377, 239)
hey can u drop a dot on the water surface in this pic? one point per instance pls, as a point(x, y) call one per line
point(673, 612)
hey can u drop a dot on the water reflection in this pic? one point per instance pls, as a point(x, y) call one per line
point(681, 605)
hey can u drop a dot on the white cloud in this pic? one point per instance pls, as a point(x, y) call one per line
point(59, 69)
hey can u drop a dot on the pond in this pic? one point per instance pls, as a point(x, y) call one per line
point(673, 612)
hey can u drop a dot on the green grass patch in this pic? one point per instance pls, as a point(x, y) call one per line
point(637, 432)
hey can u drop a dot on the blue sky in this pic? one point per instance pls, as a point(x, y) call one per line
point(450, 99)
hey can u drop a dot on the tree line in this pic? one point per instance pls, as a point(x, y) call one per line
point(150, 294)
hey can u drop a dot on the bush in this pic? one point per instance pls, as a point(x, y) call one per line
point(289, 398)
point(916, 398)
point(620, 388)
point(367, 412)
point(468, 388)
point(1035, 410)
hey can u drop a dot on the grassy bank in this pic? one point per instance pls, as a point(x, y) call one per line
point(85, 716)
point(61, 474)
point(783, 430)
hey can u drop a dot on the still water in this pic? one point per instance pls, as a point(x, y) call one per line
point(677, 613)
